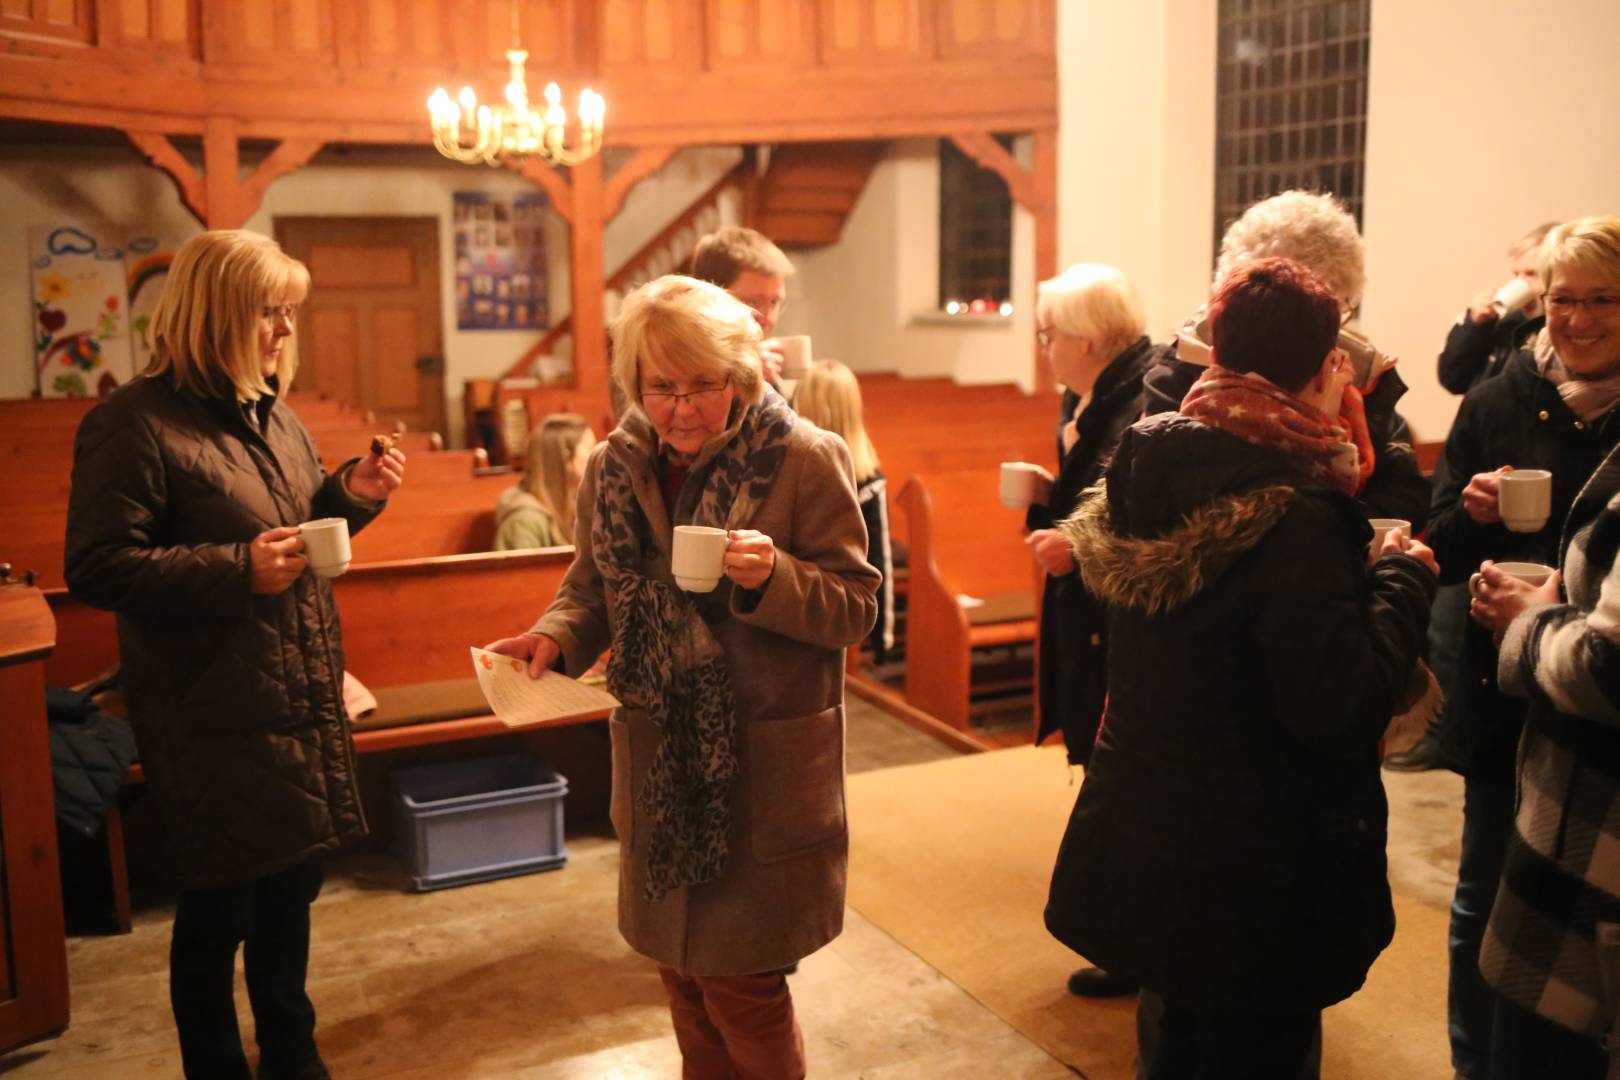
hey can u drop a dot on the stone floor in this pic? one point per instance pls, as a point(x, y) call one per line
point(528, 977)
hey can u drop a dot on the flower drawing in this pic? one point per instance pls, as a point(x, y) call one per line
point(53, 287)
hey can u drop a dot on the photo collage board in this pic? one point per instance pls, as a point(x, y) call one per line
point(501, 273)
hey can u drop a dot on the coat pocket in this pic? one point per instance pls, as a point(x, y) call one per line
point(620, 800)
point(796, 783)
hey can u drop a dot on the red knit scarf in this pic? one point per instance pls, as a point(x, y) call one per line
point(1337, 452)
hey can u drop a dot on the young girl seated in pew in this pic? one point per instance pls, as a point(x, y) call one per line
point(830, 398)
point(538, 510)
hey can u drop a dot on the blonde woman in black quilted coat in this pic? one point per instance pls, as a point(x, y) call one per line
point(188, 486)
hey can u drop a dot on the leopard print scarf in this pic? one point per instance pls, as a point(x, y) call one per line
point(666, 660)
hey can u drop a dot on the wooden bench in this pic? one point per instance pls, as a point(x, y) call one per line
point(407, 628)
point(964, 544)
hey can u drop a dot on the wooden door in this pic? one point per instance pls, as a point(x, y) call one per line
point(370, 331)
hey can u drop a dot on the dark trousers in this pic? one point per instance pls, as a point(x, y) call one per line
point(1470, 1003)
point(1200, 1044)
point(269, 917)
point(1149, 1013)
point(1525, 1046)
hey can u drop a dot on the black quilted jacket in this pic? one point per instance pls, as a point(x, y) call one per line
point(236, 698)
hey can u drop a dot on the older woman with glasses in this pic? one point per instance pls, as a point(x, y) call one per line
point(1551, 949)
point(1553, 408)
point(728, 748)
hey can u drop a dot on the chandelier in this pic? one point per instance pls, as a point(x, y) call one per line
point(467, 131)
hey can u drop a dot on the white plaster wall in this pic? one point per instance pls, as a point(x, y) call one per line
point(106, 187)
point(1484, 119)
point(860, 298)
point(1136, 156)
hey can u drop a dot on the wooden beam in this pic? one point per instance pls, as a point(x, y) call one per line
point(1045, 177)
point(589, 287)
point(157, 149)
point(289, 155)
point(648, 160)
point(982, 147)
point(220, 173)
point(538, 172)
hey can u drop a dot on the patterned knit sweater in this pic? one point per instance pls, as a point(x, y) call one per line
point(1561, 883)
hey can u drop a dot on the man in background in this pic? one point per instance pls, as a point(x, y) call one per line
point(754, 270)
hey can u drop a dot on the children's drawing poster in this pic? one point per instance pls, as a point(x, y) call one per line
point(81, 311)
point(501, 273)
point(146, 266)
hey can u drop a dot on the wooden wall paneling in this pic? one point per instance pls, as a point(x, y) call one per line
point(151, 28)
point(652, 36)
point(868, 32)
point(979, 28)
point(336, 342)
point(59, 20)
point(761, 33)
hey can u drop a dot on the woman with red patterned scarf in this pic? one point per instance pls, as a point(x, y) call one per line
point(1226, 851)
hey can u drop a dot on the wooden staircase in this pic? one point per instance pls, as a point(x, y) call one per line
point(808, 191)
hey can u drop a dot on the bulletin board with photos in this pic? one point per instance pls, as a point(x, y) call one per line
point(501, 274)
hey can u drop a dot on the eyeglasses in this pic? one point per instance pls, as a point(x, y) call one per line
point(275, 313)
point(772, 306)
point(667, 401)
point(1599, 306)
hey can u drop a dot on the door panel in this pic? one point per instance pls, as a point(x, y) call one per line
point(371, 314)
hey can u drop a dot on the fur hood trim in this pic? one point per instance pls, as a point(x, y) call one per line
point(1157, 573)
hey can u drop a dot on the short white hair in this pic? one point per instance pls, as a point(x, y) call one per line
point(1315, 230)
point(1093, 301)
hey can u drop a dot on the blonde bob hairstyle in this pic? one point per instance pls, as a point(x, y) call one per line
point(1093, 301)
point(548, 462)
point(1312, 229)
point(205, 330)
point(1590, 244)
point(830, 398)
point(691, 328)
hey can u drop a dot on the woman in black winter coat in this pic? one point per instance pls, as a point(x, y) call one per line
point(1227, 848)
point(189, 484)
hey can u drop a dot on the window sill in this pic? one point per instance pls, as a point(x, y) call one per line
point(967, 322)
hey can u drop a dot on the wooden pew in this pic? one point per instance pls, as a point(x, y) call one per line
point(405, 624)
point(963, 542)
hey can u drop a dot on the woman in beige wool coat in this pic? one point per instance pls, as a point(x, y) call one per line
point(728, 750)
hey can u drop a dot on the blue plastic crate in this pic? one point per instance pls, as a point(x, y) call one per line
point(457, 822)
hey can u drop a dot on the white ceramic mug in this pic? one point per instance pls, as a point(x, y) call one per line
point(1022, 484)
point(326, 545)
point(795, 349)
point(1382, 527)
point(1524, 499)
point(1532, 573)
point(698, 557)
point(1511, 297)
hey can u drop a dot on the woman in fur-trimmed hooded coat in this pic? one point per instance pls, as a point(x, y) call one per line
point(1226, 850)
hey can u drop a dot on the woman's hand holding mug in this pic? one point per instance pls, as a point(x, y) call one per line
point(1052, 550)
point(1480, 497)
point(539, 650)
point(1396, 542)
point(1500, 595)
point(274, 560)
point(750, 558)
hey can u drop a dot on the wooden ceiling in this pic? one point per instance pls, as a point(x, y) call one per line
point(673, 71)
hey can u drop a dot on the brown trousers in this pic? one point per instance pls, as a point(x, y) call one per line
point(734, 1027)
